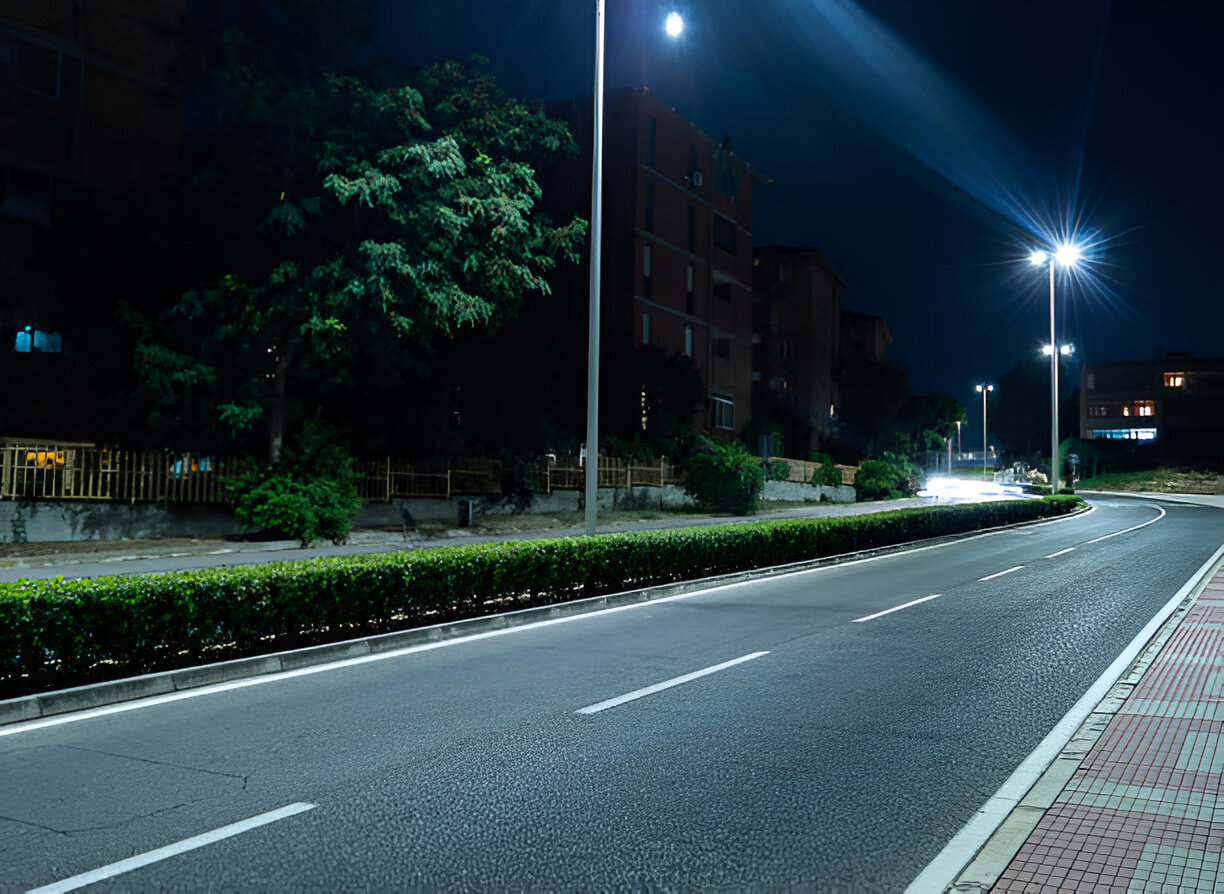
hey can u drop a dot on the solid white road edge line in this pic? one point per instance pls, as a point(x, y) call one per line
point(667, 684)
point(889, 611)
point(201, 691)
point(171, 850)
point(1001, 573)
point(1061, 552)
point(940, 874)
point(1159, 509)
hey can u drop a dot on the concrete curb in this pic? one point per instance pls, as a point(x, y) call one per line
point(95, 695)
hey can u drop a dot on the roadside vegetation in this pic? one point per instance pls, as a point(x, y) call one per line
point(1161, 481)
point(57, 633)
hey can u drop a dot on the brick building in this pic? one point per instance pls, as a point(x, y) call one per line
point(88, 120)
point(796, 336)
point(677, 257)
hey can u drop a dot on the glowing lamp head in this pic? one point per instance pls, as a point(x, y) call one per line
point(985, 388)
point(1068, 255)
point(1038, 258)
point(674, 24)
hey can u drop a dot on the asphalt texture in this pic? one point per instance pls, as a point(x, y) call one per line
point(843, 759)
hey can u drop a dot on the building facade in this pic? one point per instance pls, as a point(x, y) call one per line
point(88, 120)
point(796, 337)
point(1175, 402)
point(676, 261)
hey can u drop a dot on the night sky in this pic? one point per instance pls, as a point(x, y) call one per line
point(926, 148)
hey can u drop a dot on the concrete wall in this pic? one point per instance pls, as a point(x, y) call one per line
point(22, 521)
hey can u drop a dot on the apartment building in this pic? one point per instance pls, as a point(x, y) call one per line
point(88, 119)
point(677, 257)
point(1175, 402)
point(796, 337)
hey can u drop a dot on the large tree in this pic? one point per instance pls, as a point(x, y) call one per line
point(373, 213)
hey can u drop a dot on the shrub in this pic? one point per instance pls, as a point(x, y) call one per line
point(724, 477)
point(310, 494)
point(828, 474)
point(779, 470)
point(878, 480)
point(64, 632)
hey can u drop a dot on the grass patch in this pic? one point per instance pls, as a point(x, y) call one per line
point(1161, 481)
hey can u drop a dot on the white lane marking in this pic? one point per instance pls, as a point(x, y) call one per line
point(171, 850)
point(1061, 552)
point(216, 688)
point(889, 611)
point(1136, 527)
point(1001, 573)
point(941, 873)
point(667, 684)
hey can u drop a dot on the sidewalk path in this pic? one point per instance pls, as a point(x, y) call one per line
point(1144, 809)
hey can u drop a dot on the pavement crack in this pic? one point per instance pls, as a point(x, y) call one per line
point(106, 827)
point(147, 760)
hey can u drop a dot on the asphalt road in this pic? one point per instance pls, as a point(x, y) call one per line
point(840, 751)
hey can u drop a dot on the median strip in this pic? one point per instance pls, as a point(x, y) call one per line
point(667, 684)
point(171, 850)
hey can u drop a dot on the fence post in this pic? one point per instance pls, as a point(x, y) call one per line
point(387, 482)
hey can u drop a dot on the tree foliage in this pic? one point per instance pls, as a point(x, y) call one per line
point(374, 213)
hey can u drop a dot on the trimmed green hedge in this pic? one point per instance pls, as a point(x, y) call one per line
point(57, 633)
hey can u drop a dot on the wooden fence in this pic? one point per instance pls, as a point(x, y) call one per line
point(802, 470)
point(81, 471)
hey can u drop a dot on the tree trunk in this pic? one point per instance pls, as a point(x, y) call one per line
point(276, 418)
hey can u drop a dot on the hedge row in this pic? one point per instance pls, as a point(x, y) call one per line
point(56, 633)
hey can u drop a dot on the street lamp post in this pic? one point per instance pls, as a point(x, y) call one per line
point(1066, 255)
point(674, 26)
point(984, 389)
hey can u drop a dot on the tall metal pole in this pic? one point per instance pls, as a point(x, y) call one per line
point(592, 434)
point(1053, 390)
point(985, 388)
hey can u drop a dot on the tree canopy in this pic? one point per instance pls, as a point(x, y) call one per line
point(373, 213)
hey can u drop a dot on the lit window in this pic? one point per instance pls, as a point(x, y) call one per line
point(1175, 380)
point(688, 341)
point(30, 339)
point(1144, 408)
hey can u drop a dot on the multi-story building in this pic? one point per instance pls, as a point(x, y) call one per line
point(796, 335)
point(677, 257)
point(1176, 402)
point(88, 120)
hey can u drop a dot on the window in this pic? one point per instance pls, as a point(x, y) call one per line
point(646, 278)
point(40, 68)
point(1144, 408)
point(692, 164)
point(649, 210)
point(692, 228)
point(726, 173)
point(722, 291)
point(26, 195)
point(722, 412)
point(688, 341)
point(30, 339)
point(724, 234)
point(650, 141)
point(1098, 410)
point(785, 274)
point(689, 294)
point(1092, 381)
point(722, 348)
point(1125, 434)
point(645, 328)
point(1175, 380)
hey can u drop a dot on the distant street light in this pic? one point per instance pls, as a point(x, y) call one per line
point(674, 25)
point(1065, 255)
point(984, 389)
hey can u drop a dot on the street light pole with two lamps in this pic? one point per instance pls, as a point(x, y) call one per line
point(1066, 255)
point(984, 389)
point(674, 25)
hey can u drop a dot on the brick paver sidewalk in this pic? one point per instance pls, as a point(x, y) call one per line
point(1144, 810)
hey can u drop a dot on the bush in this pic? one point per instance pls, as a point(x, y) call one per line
point(828, 474)
point(65, 632)
point(310, 494)
point(878, 480)
point(724, 477)
point(779, 470)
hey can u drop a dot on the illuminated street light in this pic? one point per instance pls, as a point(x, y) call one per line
point(984, 389)
point(1065, 255)
point(1064, 350)
point(674, 26)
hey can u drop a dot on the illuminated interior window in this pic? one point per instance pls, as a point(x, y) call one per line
point(1175, 380)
